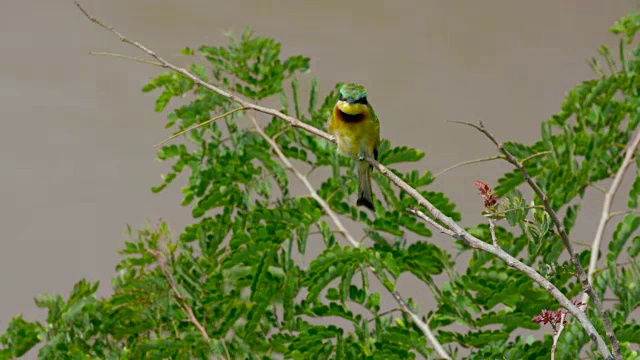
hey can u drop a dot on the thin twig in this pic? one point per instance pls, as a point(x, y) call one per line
point(620, 264)
point(243, 103)
point(606, 208)
point(338, 223)
point(556, 334)
point(182, 301)
point(277, 135)
point(468, 162)
point(457, 231)
point(492, 230)
point(226, 351)
point(516, 209)
point(305, 181)
point(582, 243)
point(561, 326)
point(424, 327)
point(534, 156)
point(313, 168)
point(363, 238)
point(573, 255)
point(623, 212)
point(384, 313)
point(133, 58)
point(598, 187)
point(195, 126)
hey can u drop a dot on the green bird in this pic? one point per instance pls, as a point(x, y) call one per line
point(357, 130)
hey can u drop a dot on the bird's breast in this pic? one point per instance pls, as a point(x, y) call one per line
point(353, 138)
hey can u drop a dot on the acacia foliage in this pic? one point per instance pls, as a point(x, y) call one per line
point(242, 268)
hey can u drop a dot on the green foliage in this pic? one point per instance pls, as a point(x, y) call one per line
point(239, 281)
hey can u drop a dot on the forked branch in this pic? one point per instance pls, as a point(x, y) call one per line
point(573, 255)
point(426, 330)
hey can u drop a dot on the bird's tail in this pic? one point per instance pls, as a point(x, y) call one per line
point(365, 195)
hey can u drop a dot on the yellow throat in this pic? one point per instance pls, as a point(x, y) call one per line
point(351, 109)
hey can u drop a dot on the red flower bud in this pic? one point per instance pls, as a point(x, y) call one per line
point(490, 200)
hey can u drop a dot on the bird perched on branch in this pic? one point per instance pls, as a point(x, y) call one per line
point(357, 130)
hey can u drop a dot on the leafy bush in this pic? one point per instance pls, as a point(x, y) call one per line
point(239, 283)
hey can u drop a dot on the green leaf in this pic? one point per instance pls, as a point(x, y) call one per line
point(629, 333)
point(628, 25)
point(621, 235)
point(313, 95)
point(424, 260)
point(634, 191)
point(333, 263)
point(514, 207)
point(187, 51)
point(399, 155)
point(509, 182)
point(20, 337)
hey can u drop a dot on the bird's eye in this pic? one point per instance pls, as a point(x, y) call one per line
point(362, 100)
point(341, 98)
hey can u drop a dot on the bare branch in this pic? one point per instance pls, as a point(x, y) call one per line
point(623, 212)
point(161, 260)
point(556, 335)
point(599, 188)
point(573, 255)
point(132, 58)
point(243, 103)
point(226, 350)
point(456, 231)
point(384, 313)
point(305, 181)
point(557, 331)
point(195, 126)
point(534, 156)
point(606, 209)
point(468, 162)
point(492, 229)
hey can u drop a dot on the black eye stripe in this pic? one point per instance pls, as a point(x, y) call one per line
point(362, 100)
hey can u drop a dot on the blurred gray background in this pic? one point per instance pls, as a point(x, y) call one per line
point(76, 135)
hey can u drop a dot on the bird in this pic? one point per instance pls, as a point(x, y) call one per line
point(357, 132)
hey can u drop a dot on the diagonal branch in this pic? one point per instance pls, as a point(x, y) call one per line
point(468, 162)
point(492, 229)
point(132, 58)
point(336, 220)
point(557, 331)
point(606, 208)
point(243, 103)
point(456, 229)
point(195, 126)
point(182, 301)
point(305, 181)
point(573, 255)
